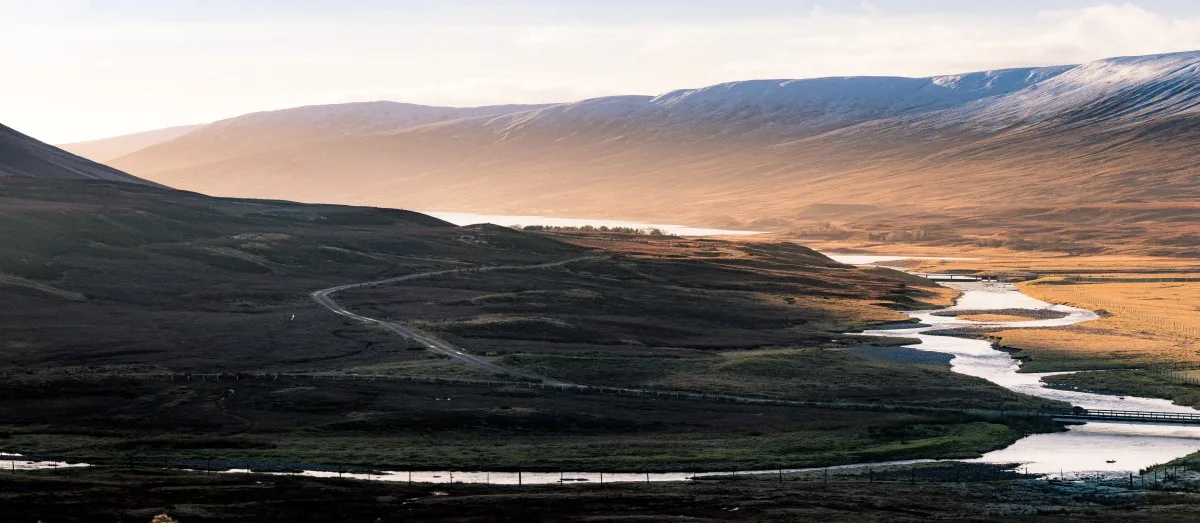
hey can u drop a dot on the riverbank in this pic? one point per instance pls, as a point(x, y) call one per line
point(1147, 339)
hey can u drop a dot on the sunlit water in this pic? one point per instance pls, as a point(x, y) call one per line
point(868, 259)
point(463, 218)
point(1083, 448)
point(15, 462)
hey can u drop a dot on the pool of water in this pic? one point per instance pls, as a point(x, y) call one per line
point(464, 218)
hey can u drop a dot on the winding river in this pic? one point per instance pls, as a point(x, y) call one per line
point(1094, 447)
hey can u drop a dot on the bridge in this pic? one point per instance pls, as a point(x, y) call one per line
point(945, 277)
point(1122, 416)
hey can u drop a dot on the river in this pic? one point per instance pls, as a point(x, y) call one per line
point(1082, 449)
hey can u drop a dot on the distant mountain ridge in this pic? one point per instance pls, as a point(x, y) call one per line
point(108, 149)
point(21, 155)
point(296, 128)
point(760, 151)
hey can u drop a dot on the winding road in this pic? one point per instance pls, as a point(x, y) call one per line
point(324, 298)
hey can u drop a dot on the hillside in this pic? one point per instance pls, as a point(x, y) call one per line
point(109, 149)
point(1081, 158)
point(289, 130)
point(21, 155)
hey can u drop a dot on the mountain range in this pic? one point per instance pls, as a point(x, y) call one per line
point(108, 149)
point(1082, 148)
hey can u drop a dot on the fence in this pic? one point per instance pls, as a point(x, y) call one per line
point(1177, 327)
point(905, 472)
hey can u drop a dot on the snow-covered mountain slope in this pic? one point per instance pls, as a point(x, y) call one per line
point(1116, 90)
point(1104, 94)
point(21, 155)
point(1123, 130)
point(108, 149)
point(788, 107)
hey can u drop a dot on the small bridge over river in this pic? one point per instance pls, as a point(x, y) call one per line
point(1118, 416)
point(946, 277)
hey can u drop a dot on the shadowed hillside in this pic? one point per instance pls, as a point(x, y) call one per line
point(21, 155)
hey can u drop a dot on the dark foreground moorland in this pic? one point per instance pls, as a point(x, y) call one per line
point(110, 287)
point(949, 492)
point(145, 327)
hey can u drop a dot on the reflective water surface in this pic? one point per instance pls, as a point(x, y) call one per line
point(1083, 448)
point(466, 218)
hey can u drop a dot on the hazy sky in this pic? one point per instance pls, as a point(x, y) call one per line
point(82, 69)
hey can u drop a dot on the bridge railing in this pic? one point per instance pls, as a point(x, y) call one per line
point(1126, 415)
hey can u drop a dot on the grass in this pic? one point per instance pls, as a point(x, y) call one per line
point(801, 445)
point(1142, 383)
point(993, 317)
point(1142, 324)
point(811, 374)
point(408, 425)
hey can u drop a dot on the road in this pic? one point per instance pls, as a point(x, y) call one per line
point(324, 298)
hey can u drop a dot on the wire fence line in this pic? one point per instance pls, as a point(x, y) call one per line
point(1139, 279)
point(1187, 372)
point(1174, 477)
point(1186, 330)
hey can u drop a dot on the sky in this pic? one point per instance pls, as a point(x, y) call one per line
point(85, 69)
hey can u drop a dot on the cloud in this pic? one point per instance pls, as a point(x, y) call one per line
point(80, 78)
